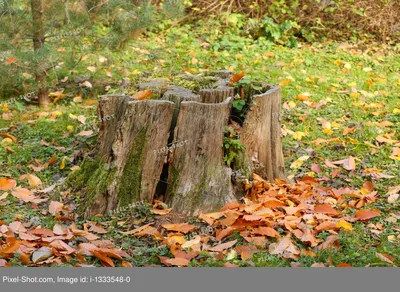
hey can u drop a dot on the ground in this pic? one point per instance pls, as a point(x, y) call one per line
point(340, 102)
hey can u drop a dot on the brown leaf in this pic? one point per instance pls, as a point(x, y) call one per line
point(385, 257)
point(259, 241)
point(63, 247)
point(55, 207)
point(223, 246)
point(230, 206)
point(142, 95)
point(161, 212)
point(284, 247)
point(180, 262)
point(211, 217)
point(85, 133)
point(220, 234)
point(23, 194)
point(97, 228)
point(326, 209)
point(349, 163)
point(43, 232)
point(365, 215)
point(59, 229)
point(183, 227)
point(105, 260)
point(268, 231)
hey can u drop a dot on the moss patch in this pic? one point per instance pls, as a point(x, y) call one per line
point(93, 177)
point(130, 181)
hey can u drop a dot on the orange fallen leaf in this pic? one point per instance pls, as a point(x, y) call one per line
point(326, 209)
point(12, 245)
point(229, 206)
point(161, 212)
point(7, 184)
point(126, 264)
point(183, 227)
point(142, 95)
point(180, 262)
point(268, 231)
point(365, 215)
point(105, 260)
point(220, 234)
point(41, 232)
point(236, 78)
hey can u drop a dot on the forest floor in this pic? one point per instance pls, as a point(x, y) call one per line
point(340, 116)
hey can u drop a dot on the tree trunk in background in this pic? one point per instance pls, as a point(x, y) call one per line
point(173, 146)
point(38, 44)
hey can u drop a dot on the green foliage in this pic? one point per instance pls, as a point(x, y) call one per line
point(232, 146)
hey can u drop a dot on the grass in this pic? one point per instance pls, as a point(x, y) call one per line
point(349, 80)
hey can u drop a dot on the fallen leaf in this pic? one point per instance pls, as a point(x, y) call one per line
point(284, 247)
point(223, 246)
point(142, 95)
point(55, 207)
point(385, 257)
point(41, 254)
point(161, 212)
point(180, 262)
point(7, 184)
point(345, 225)
point(236, 78)
point(365, 215)
point(85, 133)
point(326, 209)
point(33, 180)
point(183, 227)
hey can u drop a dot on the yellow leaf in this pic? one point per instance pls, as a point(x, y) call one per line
point(299, 162)
point(62, 165)
point(298, 135)
point(33, 180)
point(327, 131)
point(345, 225)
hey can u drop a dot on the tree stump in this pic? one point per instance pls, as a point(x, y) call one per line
point(177, 145)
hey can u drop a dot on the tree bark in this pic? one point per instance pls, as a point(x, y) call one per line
point(261, 135)
point(199, 181)
point(131, 151)
point(38, 44)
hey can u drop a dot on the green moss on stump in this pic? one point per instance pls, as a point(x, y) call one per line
point(129, 185)
point(93, 177)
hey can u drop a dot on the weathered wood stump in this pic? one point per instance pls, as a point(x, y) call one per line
point(176, 144)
